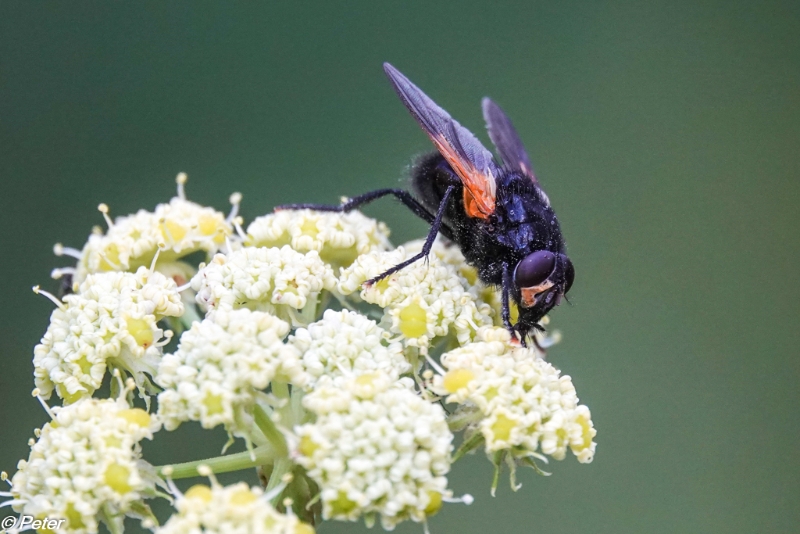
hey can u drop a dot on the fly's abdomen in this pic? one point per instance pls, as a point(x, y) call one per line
point(430, 178)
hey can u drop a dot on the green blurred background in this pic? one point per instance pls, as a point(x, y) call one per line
point(666, 134)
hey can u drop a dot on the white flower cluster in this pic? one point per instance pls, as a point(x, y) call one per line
point(524, 403)
point(86, 466)
point(178, 229)
point(280, 281)
point(326, 379)
point(449, 253)
point(235, 509)
point(221, 368)
point(346, 343)
point(424, 301)
point(110, 321)
point(339, 238)
point(376, 447)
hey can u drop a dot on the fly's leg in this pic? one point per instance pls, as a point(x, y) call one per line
point(506, 312)
point(536, 342)
point(402, 195)
point(426, 248)
point(506, 308)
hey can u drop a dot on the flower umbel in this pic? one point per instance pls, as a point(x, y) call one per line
point(86, 466)
point(221, 368)
point(233, 509)
point(112, 320)
point(346, 343)
point(172, 230)
point(519, 403)
point(349, 397)
point(339, 238)
point(280, 281)
point(377, 447)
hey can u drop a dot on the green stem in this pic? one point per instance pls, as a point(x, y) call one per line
point(460, 420)
point(190, 315)
point(282, 466)
point(497, 460)
point(285, 410)
point(298, 413)
point(531, 463)
point(280, 389)
point(270, 431)
point(473, 442)
point(221, 464)
point(112, 522)
point(309, 312)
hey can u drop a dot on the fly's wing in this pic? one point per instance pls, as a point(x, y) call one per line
point(462, 150)
point(505, 139)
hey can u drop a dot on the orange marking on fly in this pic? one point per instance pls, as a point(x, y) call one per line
point(471, 206)
point(479, 188)
point(529, 294)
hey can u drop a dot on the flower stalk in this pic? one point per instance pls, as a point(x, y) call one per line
point(267, 427)
point(220, 464)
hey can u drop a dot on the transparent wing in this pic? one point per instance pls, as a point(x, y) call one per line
point(505, 139)
point(472, 162)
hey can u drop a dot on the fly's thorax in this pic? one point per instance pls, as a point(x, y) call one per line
point(523, 222)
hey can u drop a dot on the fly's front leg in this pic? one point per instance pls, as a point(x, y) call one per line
point(426, 248)
point(350, 204)
point(506, 306)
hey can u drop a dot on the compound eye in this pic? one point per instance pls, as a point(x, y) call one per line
point(535, 269)
point(569, 275)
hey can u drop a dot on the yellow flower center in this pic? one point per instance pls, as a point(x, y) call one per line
point(200, 492)
point(457, 379)
point(173, 231)
point(74, 517)
point(304, 528)
point(342, 505)
point(117, 476)
point(136, 416)
point(586, 433)
point(213, 404)
point(434, 503)
point(113, 441)
point(471, 274)
point(344, 257)
point(43, 530)
point(68, 397)
point(365, 384)
point(413, 320)
point(141, 332)
point(84, 364)
point(243, 496)
point(208, 225)
point(307, 446)
point(109, 261)
point(366, 379)
point(502, 427)
point(309, 228)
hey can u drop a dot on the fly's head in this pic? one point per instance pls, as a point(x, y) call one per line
point(541, 280)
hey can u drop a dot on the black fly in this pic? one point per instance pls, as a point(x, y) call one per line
point(497, 213)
